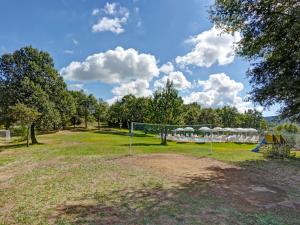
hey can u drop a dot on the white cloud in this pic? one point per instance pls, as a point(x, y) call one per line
point(167, 68)
point(75, 42)
point(113, 66)
point(116, 17)
point(76, 87)
point(138, 88)
point(179, 80)
point(219, 90)
point(113, 25)
point(110, 8)
point(68, 52)
point(95, 11)
point(210, 47)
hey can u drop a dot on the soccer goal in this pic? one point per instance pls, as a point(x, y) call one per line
point(4, 136)
point(147, 134)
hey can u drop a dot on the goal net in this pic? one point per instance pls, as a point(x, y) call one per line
point(4, 136)
point(147, 134)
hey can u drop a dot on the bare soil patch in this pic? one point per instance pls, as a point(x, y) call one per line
point(248, 188)
point(178, 167)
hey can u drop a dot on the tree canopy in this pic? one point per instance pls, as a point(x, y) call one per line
point(28, 76)
point(271, 39)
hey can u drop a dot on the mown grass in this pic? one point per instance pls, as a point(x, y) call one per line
point(70, 178)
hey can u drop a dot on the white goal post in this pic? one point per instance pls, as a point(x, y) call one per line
point(201, 133)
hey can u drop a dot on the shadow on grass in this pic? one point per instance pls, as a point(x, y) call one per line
point(120, 133)
point(144, 144)
point(228, 196)
point(16, 145)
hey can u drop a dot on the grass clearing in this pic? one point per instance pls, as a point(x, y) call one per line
point(78, 177)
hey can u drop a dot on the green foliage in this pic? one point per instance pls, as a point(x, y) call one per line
point(166, 107)
point(287, 127)
point(23, 114)
point(85, 107)
point(271, 38)
point(277, 151)
point(28, 76)
point(100, 112)
point(128, 109)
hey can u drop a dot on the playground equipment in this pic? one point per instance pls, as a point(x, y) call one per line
point(270, 139)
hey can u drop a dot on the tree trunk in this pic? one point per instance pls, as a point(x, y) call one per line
point(27, 136)
point(85, 122)
point(98, 124)
point(32, 134)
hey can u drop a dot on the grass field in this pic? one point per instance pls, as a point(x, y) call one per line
point(87, 177)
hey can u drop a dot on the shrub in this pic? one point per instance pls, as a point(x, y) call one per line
point(277, 151)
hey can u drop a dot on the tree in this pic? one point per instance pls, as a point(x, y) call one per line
point(100, 111)
point(85, 107)
point(26, 116)
point(229, 116)
point(191, 114)
point(271, 38)
point(166, 108)
point(28, 76)
point(210, 116)
point(115, 115)
point(89, 106)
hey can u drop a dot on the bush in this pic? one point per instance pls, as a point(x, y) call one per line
point(277, 151)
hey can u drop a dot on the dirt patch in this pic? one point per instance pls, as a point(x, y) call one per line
point(247, 188)
point(177, 167)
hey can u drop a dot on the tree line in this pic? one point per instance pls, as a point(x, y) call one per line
point(34, 95)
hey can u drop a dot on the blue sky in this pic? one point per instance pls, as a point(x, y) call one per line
point(112, 48)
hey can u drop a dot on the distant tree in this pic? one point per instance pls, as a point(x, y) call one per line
point(26, 116)
point(166, 108)
point(28, 76)
point(115, 115)
point(85, 107)
point(191, 114)
point(251, 118)
point(271, 38)
point(101, 109)
point(229, 116)
point(210, 116)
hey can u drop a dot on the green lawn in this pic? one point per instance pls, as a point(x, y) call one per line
point(73, 177)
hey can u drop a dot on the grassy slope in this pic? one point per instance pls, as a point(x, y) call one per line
point(74, 167)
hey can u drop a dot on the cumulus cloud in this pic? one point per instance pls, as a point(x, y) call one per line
point(179, 80)
point(219, 90)
point(113, 66)
point(113, 25)
point(95, 11)
point(138, 88)
point(167, 68)
point(116, 17)
point(210, 47)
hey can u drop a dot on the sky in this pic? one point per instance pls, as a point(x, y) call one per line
point(114, 48)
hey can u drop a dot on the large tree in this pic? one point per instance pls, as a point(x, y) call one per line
point(271, 39)
point(166, 108)
point(28, 76)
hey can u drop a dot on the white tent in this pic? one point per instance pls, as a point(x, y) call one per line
point(252, 130)
point(204, 129)
point(178, 129)
point(216, 129)
point(189, 129)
